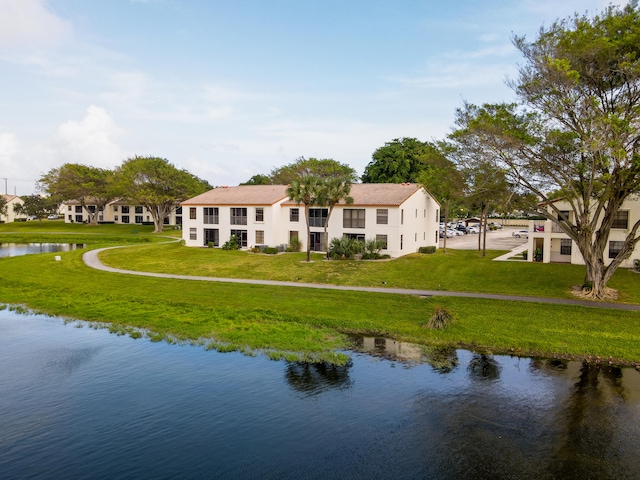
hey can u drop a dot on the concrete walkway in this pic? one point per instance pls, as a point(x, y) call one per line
point(90, 258)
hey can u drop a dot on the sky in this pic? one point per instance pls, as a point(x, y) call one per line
point(228, 89)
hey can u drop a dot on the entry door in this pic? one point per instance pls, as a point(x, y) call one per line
point(316, 241)
point(211, 235)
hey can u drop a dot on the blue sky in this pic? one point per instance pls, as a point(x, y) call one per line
point(229, 89)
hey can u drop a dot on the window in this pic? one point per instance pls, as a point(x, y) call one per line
point(138, 209)
point(238, 216)
point(294, 215)
point(193, 234)
point(260, 215)
point(165, 221)
point(621, 220)
point(179, 211)
point(241, 235)
point(69, 208)
point(615, 247)
point(211, 215)
point(402, 217)
point(382, 216)
point(318, 217)
point(79, 219)
point(115, 218)
point(92, 208)
point(259, 237)
point(138, 218)
point(383, 241)
point(564, 215)
point(293, 234)
point(565, 246)
point(355, 236)
point(212, 236)
point(353, 218)
point(125, 209)
point(401, 241)
point(125, 218)
point(78, 209)
point(192, 214)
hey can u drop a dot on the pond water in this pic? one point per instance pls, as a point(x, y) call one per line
point(79, 402)
point(15, 249)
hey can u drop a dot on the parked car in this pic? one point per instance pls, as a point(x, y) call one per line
point(521, 233)
point(449, 232)
point(32, 217)
point(53, 216)
point(473, 229)
point(495, 225)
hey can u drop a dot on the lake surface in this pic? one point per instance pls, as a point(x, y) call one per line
point(78, 402)
point(15, 249)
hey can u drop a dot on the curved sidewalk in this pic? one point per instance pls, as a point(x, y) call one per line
point(91, 259)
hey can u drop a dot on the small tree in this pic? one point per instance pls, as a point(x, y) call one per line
point(332, 191)
point(304, 190)
point(36, 206)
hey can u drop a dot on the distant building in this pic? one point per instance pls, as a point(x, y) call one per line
point(402, 216)
point(10, 215)
point(117, 211)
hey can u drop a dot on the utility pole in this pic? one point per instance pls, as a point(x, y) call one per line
point(6, 189)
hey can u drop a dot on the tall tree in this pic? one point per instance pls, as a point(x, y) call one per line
point(321, 168)
point(92, 187)
point(577, 130)
point(158, 185)
point(332, 191)
point(36, 206)
point(304, 190)
point(398, 161)
point(443, 180)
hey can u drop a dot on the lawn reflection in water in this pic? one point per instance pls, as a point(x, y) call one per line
point(83, 403)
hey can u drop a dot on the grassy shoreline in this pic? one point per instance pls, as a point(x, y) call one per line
point(311, 324)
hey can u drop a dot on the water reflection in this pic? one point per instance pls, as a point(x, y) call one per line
point(315, 378)
point(17, 249)
point(483, 367)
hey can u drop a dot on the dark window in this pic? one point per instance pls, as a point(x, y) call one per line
point(353, 218)
point(138, 218)
point(125, 209)
point(565, 246)
point(615, 247)
point(79, 219)
point(178, 220)
point(383, 240)
point(138, 209)
point(166, 221)
point(78, 209)
point(212, 236)
point(294, 215)
point(239, 216)
point(241, 235)
point(355, 236)
point(564, 215)
point(293, 234)
point(92, 208)
point(70, 209)
point(382, 216)
point(211, 216)
point(318, 217)
point(621, 220)
point(125, 218)
point(179, 211)
point(401, 219)
point(260, 215)
point(192, 215)
point(193, 234)
point(115, 208)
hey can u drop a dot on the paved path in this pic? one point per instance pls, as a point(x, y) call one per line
point(90, 258)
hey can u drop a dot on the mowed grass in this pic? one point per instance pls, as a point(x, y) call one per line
point(457, 270)
point(311, 324)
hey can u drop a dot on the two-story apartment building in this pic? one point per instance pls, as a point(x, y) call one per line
point(9, 215)
point(402, 216)
point(118, 211)
point(557, 247)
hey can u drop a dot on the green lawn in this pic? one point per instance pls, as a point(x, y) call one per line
point(311, 323)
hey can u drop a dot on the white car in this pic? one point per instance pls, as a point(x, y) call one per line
point(473, 229)
point(52, 217)
point(521, 233)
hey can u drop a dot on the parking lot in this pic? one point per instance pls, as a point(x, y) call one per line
point(496, 240)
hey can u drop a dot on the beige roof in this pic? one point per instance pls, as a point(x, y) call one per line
point(9, 198)
point(363, 194)
point(241, 195)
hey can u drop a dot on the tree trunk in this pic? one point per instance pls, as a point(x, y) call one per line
point(306, 216)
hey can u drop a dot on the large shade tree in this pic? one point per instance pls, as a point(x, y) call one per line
point(576, 130)
point(158, 185)
point(398, 161)
point(304, 190)
point(36, 206)
point(92, 187)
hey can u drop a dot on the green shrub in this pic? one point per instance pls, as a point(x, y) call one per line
point(231, 244)
point(429, 249)
point(295, 245)
point(210, 245)
point(525, 255)
point(344, 247)
point(270, 250)
point(636, 265)
point(371, 249)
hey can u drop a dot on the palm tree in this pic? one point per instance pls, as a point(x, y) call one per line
point(332, 191)
point(305, 190)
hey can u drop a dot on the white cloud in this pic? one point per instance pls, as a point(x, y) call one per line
point(9, 150)
point(91, 141)
point(29, 23)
